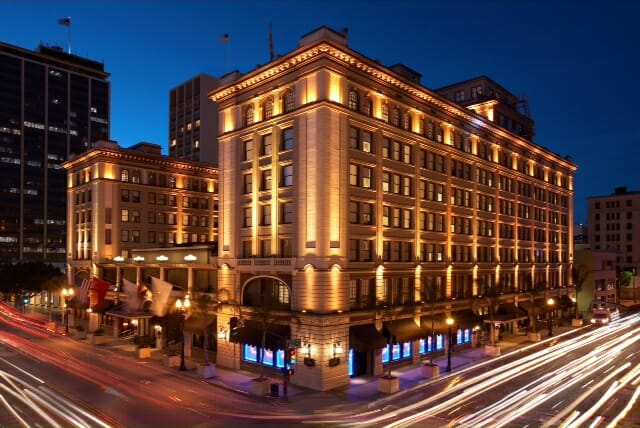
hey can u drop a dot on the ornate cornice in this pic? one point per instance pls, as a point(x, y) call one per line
point(378, 73)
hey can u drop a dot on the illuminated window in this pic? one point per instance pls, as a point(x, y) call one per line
point(265, 148)
point(287, 176)
point(353, 100)
point(287, 139)
point(124, 175)
point(289, 101)
point(395, 116)
point(248, 149)
point(367, 106)
point(124, 215)
point(267, 109)
point(384, 113)
point(248, 115)
point(173, 142)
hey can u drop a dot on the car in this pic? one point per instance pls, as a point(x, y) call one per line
point(601, 318)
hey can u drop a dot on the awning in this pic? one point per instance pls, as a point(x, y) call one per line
point(198, 324)
point(76, 304)
point(506, 312)
point(529, 307)
point(102, 307)
point(365, 338)
point(565, 301)
point(466, 319)
point(251, 334)
point(438, 321)
point(403, 329)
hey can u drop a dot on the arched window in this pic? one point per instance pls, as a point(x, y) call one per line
point(124, 175)
point(248, 115)
point(135, 177)
point(266, 292)
point(288, 101)
point(267, 109)
point(384, 114)
point(353, 100)
point(406, 122)
point(395, 116)
point(366, 106)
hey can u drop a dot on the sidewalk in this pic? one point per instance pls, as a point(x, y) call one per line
point(361, 392)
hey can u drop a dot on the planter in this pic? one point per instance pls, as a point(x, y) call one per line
point(143, 353)
point(576, 322)
point(98, 339)
point(534, 336)
point(51, 325)
point(492, 350)
point(259, 387)
point(80, 334)
point(430, 371)
point(206, 371)
point(389, 385)
point(171, 360)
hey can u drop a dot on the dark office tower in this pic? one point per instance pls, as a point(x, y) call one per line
point(193, 120)
point(52, 105)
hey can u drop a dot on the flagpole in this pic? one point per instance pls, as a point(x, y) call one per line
point(228, 57)
point(69, 37)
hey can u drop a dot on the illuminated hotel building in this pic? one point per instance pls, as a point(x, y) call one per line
point(52, 105)
point(356, 204)
point(123, 201)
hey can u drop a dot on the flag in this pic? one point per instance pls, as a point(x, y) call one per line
point(160, 298)
point(82, 292)
point(133, 296)
point(65, 21)
point(225, 38)
point(99, 289)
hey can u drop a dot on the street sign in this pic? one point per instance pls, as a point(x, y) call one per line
point(293, 343)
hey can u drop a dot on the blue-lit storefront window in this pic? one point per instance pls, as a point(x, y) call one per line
point(271, 358)
point(425, 344)
point(351, 367)
point(463, 336)
point(398, 351)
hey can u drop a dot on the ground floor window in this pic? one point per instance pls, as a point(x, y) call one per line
point(426, 344)
point(395, 352)
point(270, 358)
point(463, 336)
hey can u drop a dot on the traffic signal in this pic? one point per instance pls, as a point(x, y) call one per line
point(25, 300)
point(292, 356)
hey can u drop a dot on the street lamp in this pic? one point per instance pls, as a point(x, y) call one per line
point(449, 344)
point(66, 293)
point(182, 307)
point(550, 303)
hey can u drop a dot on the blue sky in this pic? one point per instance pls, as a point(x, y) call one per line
point(577, 62)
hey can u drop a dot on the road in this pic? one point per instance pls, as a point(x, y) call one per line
point(51, 380)
point(574, 380)
point(584, 378)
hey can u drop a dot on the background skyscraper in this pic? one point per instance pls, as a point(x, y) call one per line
point(53, 105)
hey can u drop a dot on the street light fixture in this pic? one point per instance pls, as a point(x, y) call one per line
point(182, 307)
point(449, 344)
point(550, 303)
point(190, 258)
point(67, 293)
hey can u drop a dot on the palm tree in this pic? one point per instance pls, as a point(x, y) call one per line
point(491, 297)
point(579, 275)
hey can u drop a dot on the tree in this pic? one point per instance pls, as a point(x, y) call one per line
point(491, 296)
point(579, 274)
point(203, 303)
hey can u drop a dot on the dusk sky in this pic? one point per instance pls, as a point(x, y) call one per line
point(577, 62)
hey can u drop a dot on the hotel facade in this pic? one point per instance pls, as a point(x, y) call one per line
point(360, 208)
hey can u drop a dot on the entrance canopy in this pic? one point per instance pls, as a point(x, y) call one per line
point(365, 338)
point(403, 329)
point(251, 334)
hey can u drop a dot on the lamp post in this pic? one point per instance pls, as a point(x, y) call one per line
point(66, 293)
point(182, 307)
point(449, 344)
point(550, 303)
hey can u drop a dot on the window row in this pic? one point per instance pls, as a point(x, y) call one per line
point(267, 110)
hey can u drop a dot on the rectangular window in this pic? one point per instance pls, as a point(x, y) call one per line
point(287, 175)
point(266, 180)
point(248, 150)
point(287, 139)
point(107, 236)
point(124, 236)
point(265, 150)
point(287, 212)
point(247, 217)
point(124, 215)
point(248, 183)
point(266, 215)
